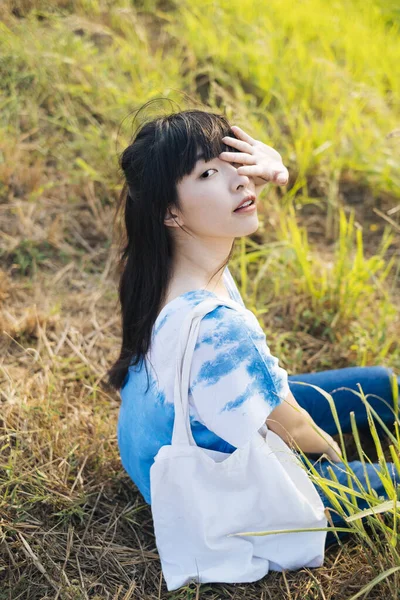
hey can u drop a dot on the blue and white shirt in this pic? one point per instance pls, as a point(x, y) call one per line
point(234, 384)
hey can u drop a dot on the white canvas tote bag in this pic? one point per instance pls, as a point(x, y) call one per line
point(200, 496)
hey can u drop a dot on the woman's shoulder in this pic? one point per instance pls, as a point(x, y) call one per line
point(221, 325)
point(173, 312)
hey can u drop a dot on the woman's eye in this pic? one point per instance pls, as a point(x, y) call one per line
point(202, 176)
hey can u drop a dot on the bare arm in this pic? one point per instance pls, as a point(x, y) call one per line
point(296, 427)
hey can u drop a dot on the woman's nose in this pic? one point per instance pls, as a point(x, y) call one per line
point(243, 182)
point(237, 179)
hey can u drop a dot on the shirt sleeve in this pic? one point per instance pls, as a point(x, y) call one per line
point(234, 383)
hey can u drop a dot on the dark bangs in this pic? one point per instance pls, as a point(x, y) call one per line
point(184, 135)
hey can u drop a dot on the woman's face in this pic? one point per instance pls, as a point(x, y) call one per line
point(208, 197)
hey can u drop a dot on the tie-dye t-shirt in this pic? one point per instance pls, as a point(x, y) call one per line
point(234, 384)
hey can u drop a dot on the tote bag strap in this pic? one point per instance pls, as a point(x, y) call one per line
point(182, 432)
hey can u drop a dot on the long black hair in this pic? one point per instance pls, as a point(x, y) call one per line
point(161, 153)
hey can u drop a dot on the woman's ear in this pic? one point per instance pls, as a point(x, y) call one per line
point(170, 219)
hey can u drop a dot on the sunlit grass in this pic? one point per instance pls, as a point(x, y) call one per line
point(324, 84)
point(344, 300)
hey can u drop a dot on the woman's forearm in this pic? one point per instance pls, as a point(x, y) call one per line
point(296, 426)
point(311, 438)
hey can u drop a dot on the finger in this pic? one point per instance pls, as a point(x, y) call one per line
point(245, 136)
point(273, 174)
point(239, 144)
point(238, 157)
point(282, 177)
point(280, 173)
point(252, 171)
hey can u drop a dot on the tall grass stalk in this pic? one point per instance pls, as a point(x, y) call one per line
point(343, 286)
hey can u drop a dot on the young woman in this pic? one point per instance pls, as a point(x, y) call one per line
point(186, 175)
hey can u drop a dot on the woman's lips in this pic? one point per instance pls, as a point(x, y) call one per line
point(246, 209)
point(249, 198)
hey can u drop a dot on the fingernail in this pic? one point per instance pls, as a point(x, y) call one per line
point(282, 178)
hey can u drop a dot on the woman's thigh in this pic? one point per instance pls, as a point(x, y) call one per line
point(375, 383)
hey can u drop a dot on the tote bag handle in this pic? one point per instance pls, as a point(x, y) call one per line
point(182, 432)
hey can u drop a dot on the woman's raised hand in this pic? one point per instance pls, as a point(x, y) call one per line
point(260, 162)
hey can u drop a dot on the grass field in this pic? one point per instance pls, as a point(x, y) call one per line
point(318, 81)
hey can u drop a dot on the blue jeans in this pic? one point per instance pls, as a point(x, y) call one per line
point(374, 381)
